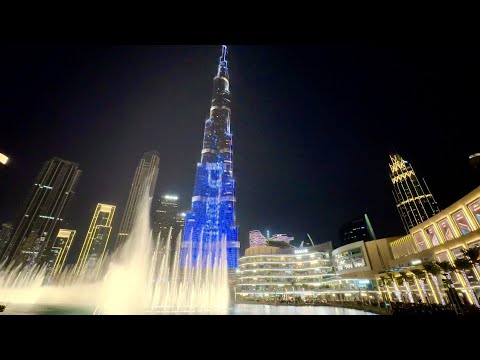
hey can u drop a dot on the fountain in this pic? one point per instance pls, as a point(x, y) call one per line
point(139, 278)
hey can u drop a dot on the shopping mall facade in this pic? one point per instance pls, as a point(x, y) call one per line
point(384, 269)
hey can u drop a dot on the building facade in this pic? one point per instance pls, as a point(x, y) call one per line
point(5, 234)
point(211, 220)
point(59, 251)
point(439, 239)
point(285, 273)
point(92, 255)
point(415, 203)
point(145, 179)
point(35, 231)
point(359, 229)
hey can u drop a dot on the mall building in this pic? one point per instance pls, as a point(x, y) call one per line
point(389, 269)
point(275, 271)
point(441, 238)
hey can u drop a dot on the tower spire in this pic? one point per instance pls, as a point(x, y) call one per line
point(223, 58)
point(223, 64)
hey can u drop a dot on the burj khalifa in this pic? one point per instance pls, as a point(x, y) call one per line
point(211, 221)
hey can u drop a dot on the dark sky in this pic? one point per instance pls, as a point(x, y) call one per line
point(313, 126)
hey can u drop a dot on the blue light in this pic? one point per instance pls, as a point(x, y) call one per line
point(212, 217)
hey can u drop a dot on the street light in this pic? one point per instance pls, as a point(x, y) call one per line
point(4, 159)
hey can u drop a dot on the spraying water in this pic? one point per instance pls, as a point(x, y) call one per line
point(140, 277)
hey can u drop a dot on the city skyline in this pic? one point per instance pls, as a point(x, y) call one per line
point(254, 190)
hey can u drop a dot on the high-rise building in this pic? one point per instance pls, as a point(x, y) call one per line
point(415, 203)
point(5, 233)
point(59, 250)
point(212, 217)
point(358, 229)
point(145, 178)
point(94, 247)
point(164, 217)
point(257, 239)
point(35, 231)
point(180, 221)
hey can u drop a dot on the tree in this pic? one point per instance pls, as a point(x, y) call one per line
point(293, 282)
point(433, 269)
point(404, 277)
point(472, 254)
point(446, 266)
point(397, 292)
point(420, 275)
point(465, 264)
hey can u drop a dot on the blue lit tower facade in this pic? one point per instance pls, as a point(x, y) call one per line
point(212, 217)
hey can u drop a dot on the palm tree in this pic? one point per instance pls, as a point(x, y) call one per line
point(419, 275)
point(397, 292)
point(473, 255)
point(461, 265)
point(383, 282)
point(293, 282)
point(434, 270)
point(404, 277)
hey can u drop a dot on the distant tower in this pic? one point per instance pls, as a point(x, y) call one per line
point(164, 218)
point(35, 231)
point(145, 177)
point(60, 250)
point(5, 234)
point(415, 203)
point(211, 219)
point(358, 229)
point(257, 239)
point(180, 222)
point(94, 247)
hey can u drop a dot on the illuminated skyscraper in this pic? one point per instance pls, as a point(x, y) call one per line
point(212, 217)
point(415, 203)
point(94, 247)
point(145, 178)
point(180, 221)
point(59, 251)
point(164, 217)
point(35, 231)
point(5, 234)
point(257, 239)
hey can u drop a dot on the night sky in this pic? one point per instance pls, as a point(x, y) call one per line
point(312, 126)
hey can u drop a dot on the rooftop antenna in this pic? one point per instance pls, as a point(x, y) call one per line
point(310, 239)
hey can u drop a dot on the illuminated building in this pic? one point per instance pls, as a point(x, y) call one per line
point(280, 272)
point(35, 231)
point(180, 221)
point(415, 203)
point(145, 178)
point(212, 216)
point(3, 159)
point(442, 238)
point(359, 229)
point(257, 239)
point(164, 218)
point(94, 247)
point(5, 234)
point(59, 251)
